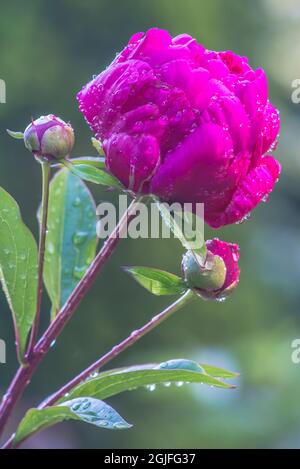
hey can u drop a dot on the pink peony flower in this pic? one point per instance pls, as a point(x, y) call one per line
point(186, 124)
point(220, 275)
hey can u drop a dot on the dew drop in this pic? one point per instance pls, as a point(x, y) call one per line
point(103, 423)
point(79, 272)
point(167, 384)
point(245, 218)
point(76, 202)
point(151, 387)
point(119, 425)
point(79, 237)
point(266, 198)
point(163, 365)
point(85, 405)
point(51, 248)
point(76, 407)
point(221, 299)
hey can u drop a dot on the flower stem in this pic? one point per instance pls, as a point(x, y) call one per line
point(46, 171)
point(24, 374)
point(114, 352)
point(117, 349)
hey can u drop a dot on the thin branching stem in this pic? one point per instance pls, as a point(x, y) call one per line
point(46, 171)
point(25, 373)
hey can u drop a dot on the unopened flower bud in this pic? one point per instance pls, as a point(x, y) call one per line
point(219, 275)
point(49, 137)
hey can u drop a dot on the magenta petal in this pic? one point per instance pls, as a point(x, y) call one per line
point(194, 82)
point(235, 63)
point(187, 173)
point(270, 127)
point(132, 159)
point(228, 111)
point(258, 183)
point(230, 255)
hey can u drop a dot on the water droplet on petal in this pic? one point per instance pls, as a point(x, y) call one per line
point(76, 407)
point(245, 218)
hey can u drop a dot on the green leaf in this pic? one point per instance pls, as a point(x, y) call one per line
point(97, 145)
point(219, 372)
point(71, 239)
point(16, 135)
point(97, 161)
point(113, 382)
point(185, 226)
point(18, 268)
point(92, 174)
point(86, 409)
point(158, 281)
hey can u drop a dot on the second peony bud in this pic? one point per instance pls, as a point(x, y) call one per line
point(49, 137)
point(220, 274)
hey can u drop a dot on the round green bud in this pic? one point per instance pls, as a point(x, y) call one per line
point(207, 279)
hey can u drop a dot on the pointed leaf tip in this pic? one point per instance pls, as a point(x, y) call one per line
point(93, 174)
point(97, 145)
point(14, 134)
point(158, 282)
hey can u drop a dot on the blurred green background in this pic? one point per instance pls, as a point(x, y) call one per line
point(48, 50)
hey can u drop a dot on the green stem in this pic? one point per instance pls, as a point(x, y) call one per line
point(46, 171)
point(113, 353)
point(24, 374)
point(117, 349)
